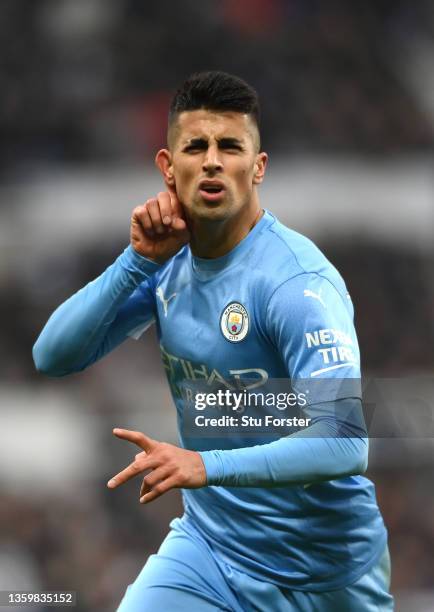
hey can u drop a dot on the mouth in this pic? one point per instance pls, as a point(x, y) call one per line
point(212, 191)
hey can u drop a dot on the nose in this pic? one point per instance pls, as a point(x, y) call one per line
point(212, 162)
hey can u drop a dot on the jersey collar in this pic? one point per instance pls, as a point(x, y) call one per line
point(203, 267)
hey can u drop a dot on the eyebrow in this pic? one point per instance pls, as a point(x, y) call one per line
point(225, 142)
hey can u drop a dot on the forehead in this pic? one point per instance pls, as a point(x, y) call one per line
point(211, 124)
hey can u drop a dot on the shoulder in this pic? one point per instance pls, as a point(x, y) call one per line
point(172, 266)
point(287, 255)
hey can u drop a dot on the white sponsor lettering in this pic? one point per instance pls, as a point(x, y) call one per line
point(337, 353)
point(336, 347)
point(327, 336)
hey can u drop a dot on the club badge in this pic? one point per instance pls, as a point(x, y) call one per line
point(234, 322)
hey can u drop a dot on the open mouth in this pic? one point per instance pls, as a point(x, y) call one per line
point(211, 191)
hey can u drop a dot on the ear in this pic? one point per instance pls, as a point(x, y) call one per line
point(260, 166)
point(163, 161)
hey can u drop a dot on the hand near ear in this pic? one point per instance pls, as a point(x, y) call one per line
point(158, 228)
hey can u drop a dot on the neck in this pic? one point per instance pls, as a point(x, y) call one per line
point(211, 239)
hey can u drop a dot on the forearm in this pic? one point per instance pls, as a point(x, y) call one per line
point(76, 331)
point(323, 451)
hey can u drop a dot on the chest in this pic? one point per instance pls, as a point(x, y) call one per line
point(213, 330)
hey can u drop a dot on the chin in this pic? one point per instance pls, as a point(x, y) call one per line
point(214, 211)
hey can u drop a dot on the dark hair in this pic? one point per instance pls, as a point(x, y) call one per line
point(215, 91)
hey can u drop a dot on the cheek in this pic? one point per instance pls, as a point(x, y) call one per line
point(184, 180)
point(245, 176)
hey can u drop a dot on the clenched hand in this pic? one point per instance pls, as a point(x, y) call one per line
point(170, 467)
point(158, 228)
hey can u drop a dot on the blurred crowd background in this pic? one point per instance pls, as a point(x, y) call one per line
point(347, 91)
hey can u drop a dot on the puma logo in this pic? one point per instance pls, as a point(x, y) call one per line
point(165, 302)
point(315, 296)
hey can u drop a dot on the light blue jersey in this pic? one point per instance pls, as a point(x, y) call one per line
point(292, 511)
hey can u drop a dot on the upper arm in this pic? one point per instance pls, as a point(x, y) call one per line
point(93, 321)
point(133, 318)
point(310, 321)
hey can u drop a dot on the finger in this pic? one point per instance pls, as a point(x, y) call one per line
point(176, 205)
point(132, 470)
point(146, 221)
point(153, 208)
point(141, 220)
point(179, 225)
point(150, 480)
point(136, 437)
point(165, 207)
point(158, 490)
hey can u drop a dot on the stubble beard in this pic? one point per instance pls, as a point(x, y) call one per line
point(212, 211)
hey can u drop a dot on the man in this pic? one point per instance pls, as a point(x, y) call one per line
point(238, 300)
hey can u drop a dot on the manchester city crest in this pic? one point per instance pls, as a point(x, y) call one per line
point(234, 322)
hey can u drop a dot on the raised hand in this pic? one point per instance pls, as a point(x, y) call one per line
point(170, 466)
point(158, 228)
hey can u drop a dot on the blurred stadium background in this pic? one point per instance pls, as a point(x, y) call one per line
point(347, 92)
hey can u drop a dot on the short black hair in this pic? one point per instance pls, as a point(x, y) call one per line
point(215, 91)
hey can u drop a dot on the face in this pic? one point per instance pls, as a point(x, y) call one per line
point(213, 163)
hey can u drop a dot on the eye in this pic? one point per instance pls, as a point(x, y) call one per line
point(194, 147)
point(230, 145)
